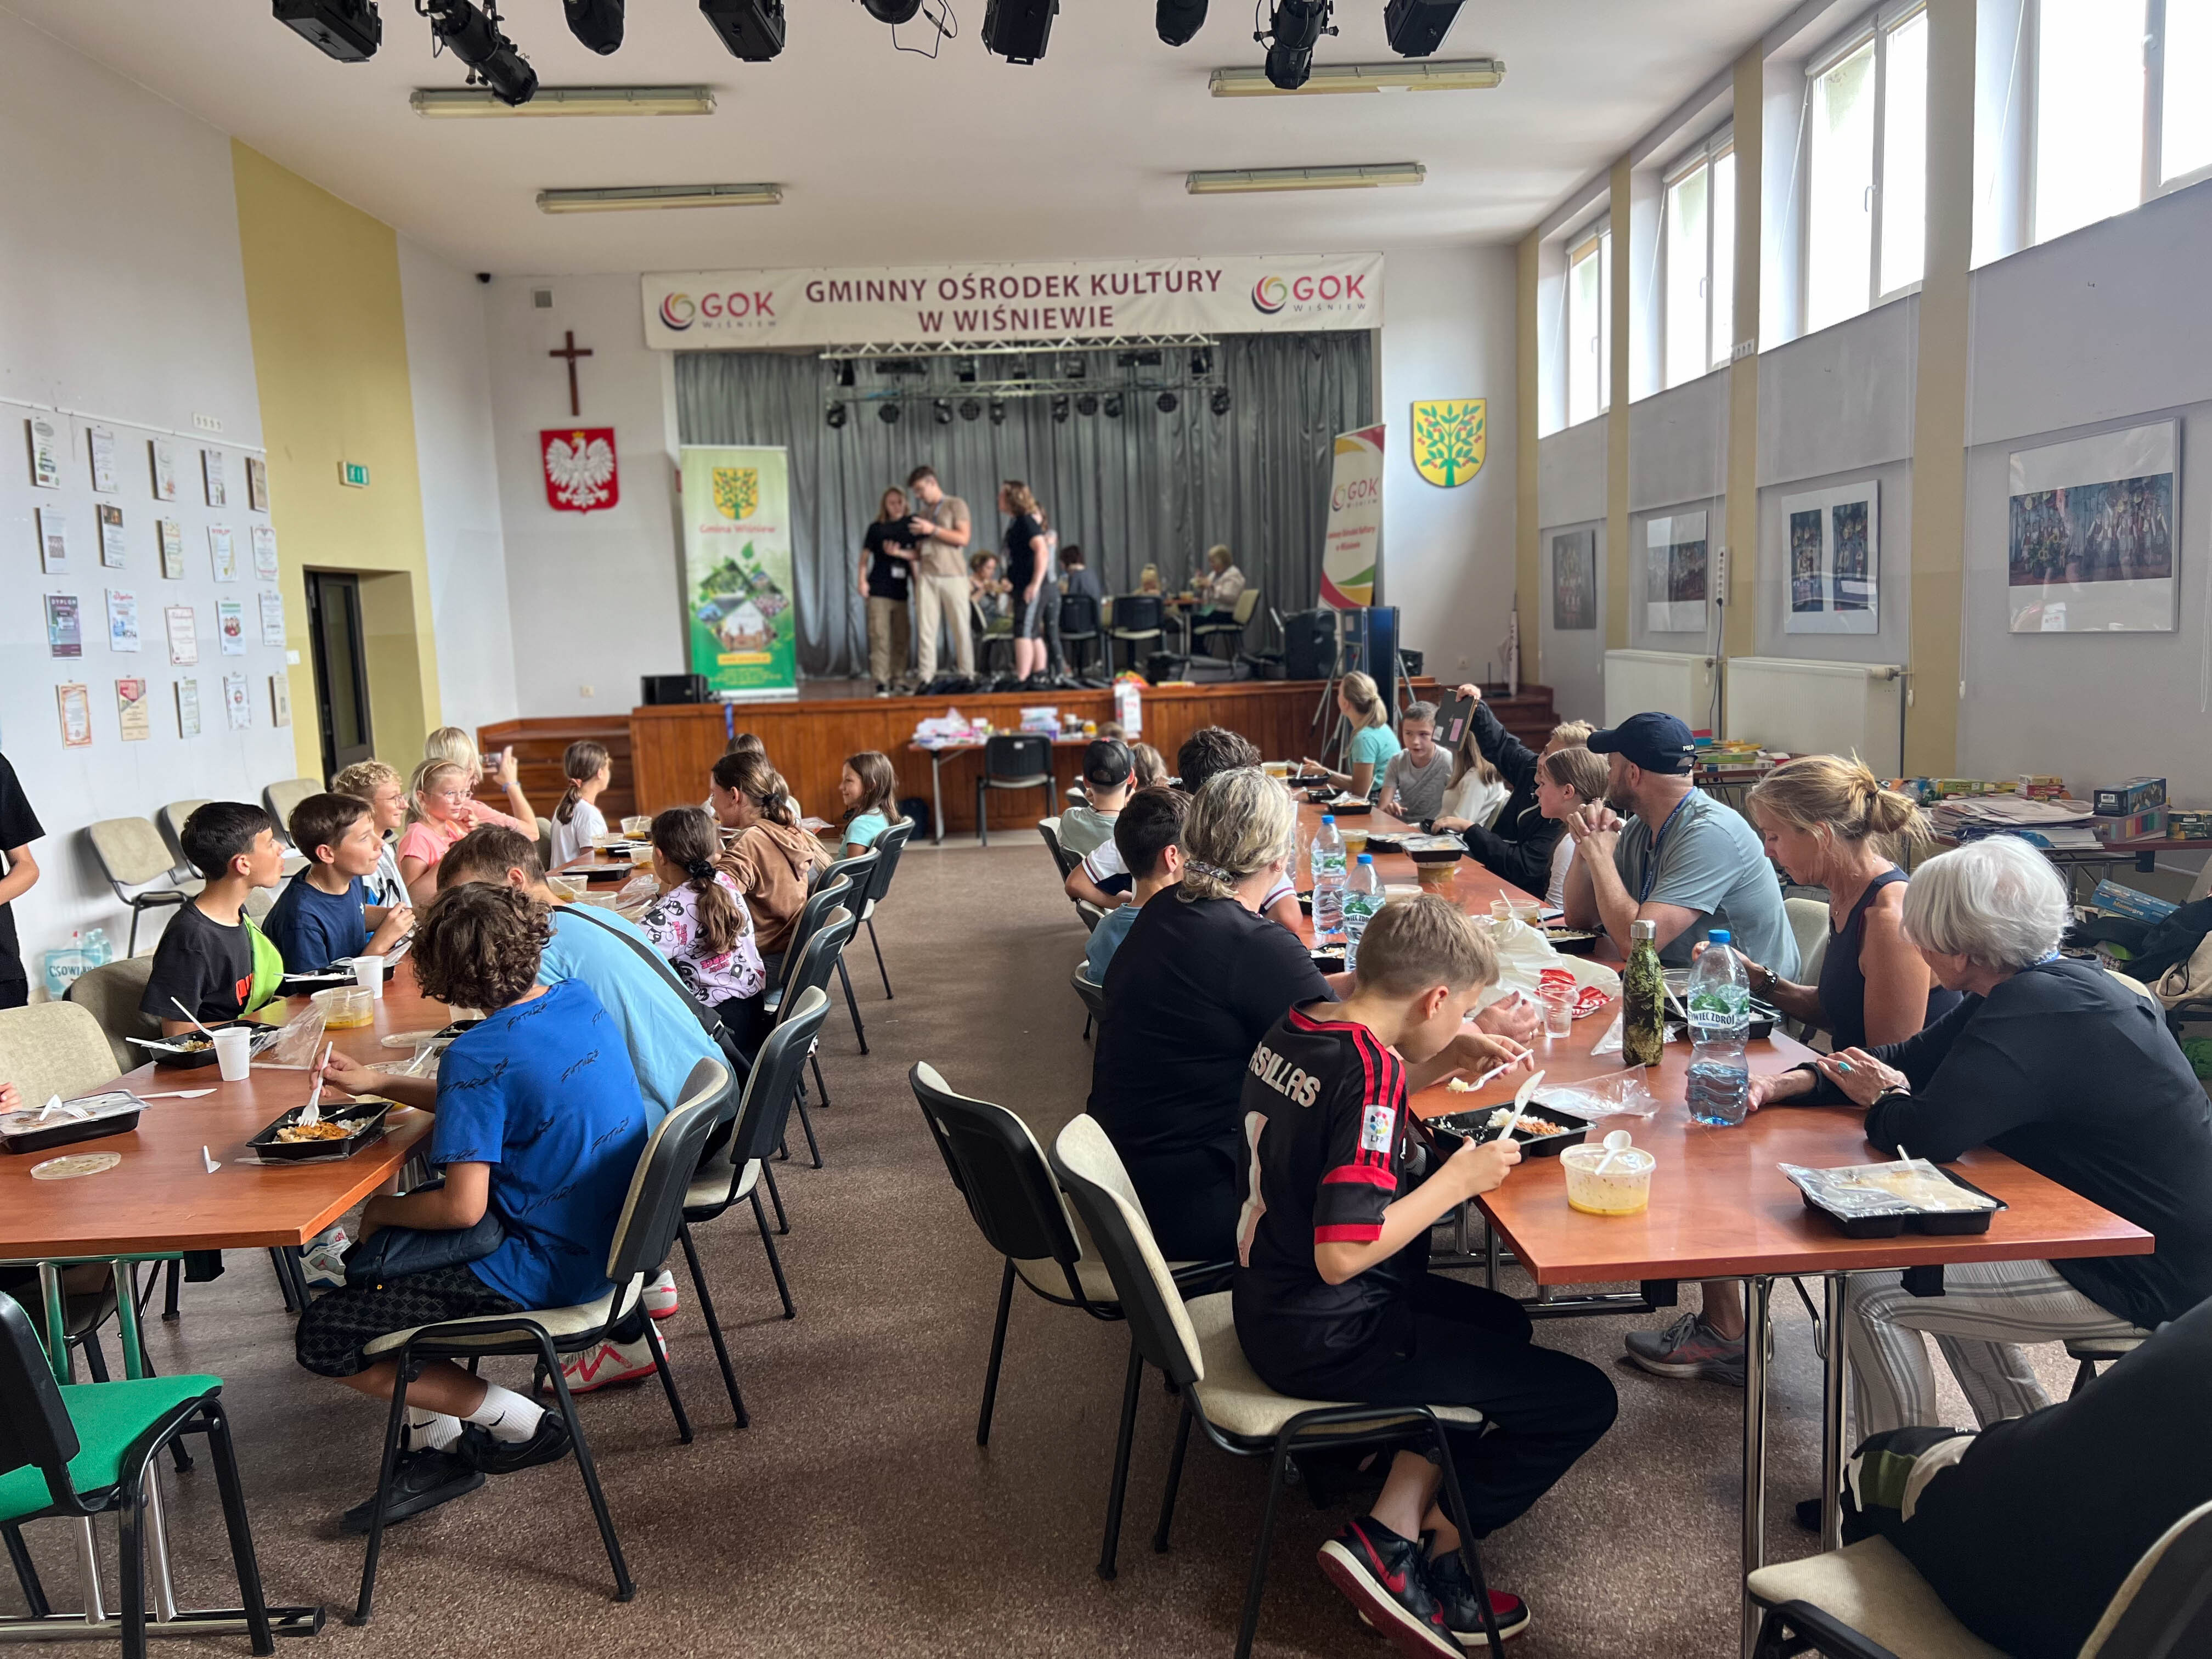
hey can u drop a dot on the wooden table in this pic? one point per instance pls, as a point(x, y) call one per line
point(937, 753)
point(1720, 1208)
point(2105, 857)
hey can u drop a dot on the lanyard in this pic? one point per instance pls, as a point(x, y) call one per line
point(1651, 863)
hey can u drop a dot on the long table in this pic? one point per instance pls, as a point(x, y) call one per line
point(1720, 1208)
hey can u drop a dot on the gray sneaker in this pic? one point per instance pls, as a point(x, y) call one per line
point(1688, 1348)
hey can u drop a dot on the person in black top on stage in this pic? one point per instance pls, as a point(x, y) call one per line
point(886, 562)
point(1518, 850)
point(19, 874)
point(1333, 1297)
point(2059, 1066)
point(1028, 567)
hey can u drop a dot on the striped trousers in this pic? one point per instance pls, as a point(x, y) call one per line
point(1986, 1310)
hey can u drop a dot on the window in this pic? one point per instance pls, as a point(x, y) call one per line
point(1699, 232)
point(1589, 327)
point(1866, 188)
point(2112, 127)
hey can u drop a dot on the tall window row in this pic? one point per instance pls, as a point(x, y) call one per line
point(1698, 255)
point(1589, 324)
point(2112, 127)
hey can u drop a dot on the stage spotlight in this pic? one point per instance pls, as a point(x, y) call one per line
point(1087, 405)
point(1018, 29)
point(597, 24)
point(835, 416)
point(348, 30)
point(1415, 28)
point(751, 30)
point(1059, 411)
point(1179, 20)
point(1112, 407)
point(970, 410)
point(476, 41)
point(941, 412)
point(998, 411)
point(1169, 403)
point(888, 414)
point(1220, 400)
point(1201, 363)
point(843, 373)
point(893, 12)
point(1292, 32)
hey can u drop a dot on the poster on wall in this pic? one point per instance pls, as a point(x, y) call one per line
point(171, 535)
point(218, 491)
point(222, 552)
point(182, 624)
point(2090, 534)
point(1675, 575)
point(1832, 541)
point(163, 455)
point(264, 553)
point(188, 708)
point(114, 550)
point(53, 541)
point(101, 443)
point(272, 617)
point(122, 620)
point(237, 701)
point(75, 703)
point(1352, 546)
point(737, 590)
point(64, 628)
point(132, 710)
point(47, 444)
point(280, 700)
point(1574, 580)
point(257, 483)
point(230, 627)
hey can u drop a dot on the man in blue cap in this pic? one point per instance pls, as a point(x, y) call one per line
point(1681, 859)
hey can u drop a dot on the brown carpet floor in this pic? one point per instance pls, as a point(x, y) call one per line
point(857, 1515)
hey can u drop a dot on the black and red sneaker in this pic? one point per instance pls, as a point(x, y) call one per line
point(1385, 1578)
point(1455, 1593)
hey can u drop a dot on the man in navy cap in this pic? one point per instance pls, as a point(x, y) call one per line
point(1681, 861)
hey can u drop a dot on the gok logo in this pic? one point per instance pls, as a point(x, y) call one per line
point(676, 312)
point(1268, 295)
point(1271, 293)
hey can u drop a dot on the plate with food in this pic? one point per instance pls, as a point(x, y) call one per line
point(1880, 1201)
point(58, 1122)
point(1537, 1135)
point(197, 1048)
point(345, 1129)
point(1575, 941)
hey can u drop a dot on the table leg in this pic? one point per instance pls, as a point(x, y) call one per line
point(1831, 1410)
point(50, 1290)
point(1758, 1334)
point(127, 1317)
point(937, 797)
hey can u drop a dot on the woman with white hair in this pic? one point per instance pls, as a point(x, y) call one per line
point(2059, 1066)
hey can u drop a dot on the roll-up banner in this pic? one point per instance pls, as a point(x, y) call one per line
point(737, 590)
point(1353, 544)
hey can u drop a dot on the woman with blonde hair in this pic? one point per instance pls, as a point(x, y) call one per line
point(1373, 743)
point(1027, 568)
point(451, 743)
point(1829, 823)
point(1219, 586)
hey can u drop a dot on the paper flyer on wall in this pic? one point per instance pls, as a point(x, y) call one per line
point(163, 456)
point(101, 443)
point(280, 700)
point(237, 701)
point(218, 491)
point(257, 483)
point(53, 541)
point(737, 563)
point(122, 619)
point(171, 536)
point(114, 551)
point(64, 628)
point(222, 552)
point(264, 553)
point(74, 702)
point(182, 624)
point(272, 617)
point(188, 708)
point(44, 434)
point(1352, 546)
point(230, 627)
point(132, 710)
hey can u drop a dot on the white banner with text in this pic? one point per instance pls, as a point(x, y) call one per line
point(1068, 299)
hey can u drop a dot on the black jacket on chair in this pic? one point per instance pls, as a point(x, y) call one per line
point(1519, 849)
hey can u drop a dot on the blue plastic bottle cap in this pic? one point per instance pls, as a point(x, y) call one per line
point(1367, 857)
point(1328, 818)
point(1718, 936)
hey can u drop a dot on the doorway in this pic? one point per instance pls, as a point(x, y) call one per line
point(341, 666)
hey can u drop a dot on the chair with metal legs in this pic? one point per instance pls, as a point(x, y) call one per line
point(1092, 993)
point(644, 1235)
point(892, 843)
point(860, 870)
point(810, 969)
point(1012, 760)
point(734, 1169)
point(1195, 1345)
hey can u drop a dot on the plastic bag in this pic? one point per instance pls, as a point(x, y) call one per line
point(1523, 954)
point(298, 1044)
point(1907, 1186)
point(1610, 1043)
point(1626, 1095)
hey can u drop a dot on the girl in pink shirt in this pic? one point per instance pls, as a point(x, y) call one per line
point(438, 797)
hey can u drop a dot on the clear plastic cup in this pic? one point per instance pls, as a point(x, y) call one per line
point(1560, 1013)
point(1501, 911)
point(233, 1053)
point(640, 855)
point(1355, 841)
point(345, 1007)
point(1528, 912)
point(1623, 1189)
point(637, 825)
point(369, 974)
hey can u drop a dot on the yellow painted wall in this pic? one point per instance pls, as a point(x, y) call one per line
point(329, 355)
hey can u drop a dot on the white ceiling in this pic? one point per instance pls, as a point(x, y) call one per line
point(889, 158)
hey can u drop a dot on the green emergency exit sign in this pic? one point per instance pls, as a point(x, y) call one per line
point(353, 473)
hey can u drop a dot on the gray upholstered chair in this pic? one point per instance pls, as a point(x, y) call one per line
point(133, 857)
point(170, 817)
point(55, 1049)
point(111, 992)
point(282, 800)
point(1093, 995)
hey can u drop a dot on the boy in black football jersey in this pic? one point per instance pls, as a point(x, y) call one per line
point(1334, 1298)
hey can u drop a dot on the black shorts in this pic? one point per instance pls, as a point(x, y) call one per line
point(337, 1327)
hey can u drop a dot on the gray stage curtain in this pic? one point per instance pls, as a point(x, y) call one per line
point(1149, 488)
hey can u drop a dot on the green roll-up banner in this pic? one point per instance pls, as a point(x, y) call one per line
point(738, 592)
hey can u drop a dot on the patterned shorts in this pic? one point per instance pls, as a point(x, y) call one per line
point(337, 1326)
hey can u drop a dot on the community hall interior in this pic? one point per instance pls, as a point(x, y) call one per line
point(1068, 646)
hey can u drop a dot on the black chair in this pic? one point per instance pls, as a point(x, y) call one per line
point(1079, 626)
point(644, 1234)
point(986, 637)
point(1092, 993)
point(1050, 829)
point(892, 843)
point(812, 966)
point(1012, 760)
point(733, 1169)
point(88, 1449)
point(1194, 1344)
point(1138, 620)
point(860, 870)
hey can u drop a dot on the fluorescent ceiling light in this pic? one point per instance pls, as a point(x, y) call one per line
point(1462, 75)
point(1253, 180)
point(567, 100)
point(630, 197)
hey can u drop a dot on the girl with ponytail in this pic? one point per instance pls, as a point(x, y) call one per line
point(701, 924)
point(589, 769)
point(1359, 700)
point(773, 860)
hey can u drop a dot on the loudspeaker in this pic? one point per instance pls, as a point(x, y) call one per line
point(1381, 652)
point(656, 689)
point(1309, 644)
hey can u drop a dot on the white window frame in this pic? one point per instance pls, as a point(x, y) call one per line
point(1875, 26)
point(1595, 237)
point(1704, 155)
point(2150, 186)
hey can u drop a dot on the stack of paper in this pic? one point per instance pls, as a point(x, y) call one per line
point(2054, 824)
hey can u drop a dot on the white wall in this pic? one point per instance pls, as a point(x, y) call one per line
point(619, 566)
point(1448, 555)
point(449, 369)
point(125, 299)
point(1570, 487)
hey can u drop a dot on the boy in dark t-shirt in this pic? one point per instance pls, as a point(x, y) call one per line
point(212, 960)
point(1333, 1295)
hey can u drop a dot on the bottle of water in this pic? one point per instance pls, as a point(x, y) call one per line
point(1363, 897)
point(1328, 879)
point(1720, 1016)
point(97, 950)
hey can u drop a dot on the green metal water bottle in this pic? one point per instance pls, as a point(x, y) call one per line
point(1643, 997)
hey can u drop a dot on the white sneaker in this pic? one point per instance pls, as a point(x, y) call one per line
point(323, 1260)
point(661, 1295)
point(608, 1364)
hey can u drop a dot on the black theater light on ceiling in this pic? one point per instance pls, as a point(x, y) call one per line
point(893, 12)
point(1059, 410)
point(1177, 20)
point(1415, 28)
point(1017, 30)
point(474, 38)
point(998, 411)
point(1087, 404)
point(751, 30)
point(941, 412)
point(888, 414)
point(970, 410)
point(833, 417)
point(1112, 407)
point(597, 24)
point(1169, 403)
point(1293, 30)
point(1220, 400)
point(348, 30)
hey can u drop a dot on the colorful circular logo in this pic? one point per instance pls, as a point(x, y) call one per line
point(676, 312)
point(1269, 294)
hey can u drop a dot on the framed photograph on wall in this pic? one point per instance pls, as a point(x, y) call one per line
point(132, 713)
point(2090, 534)
point(1832, 559)
point(1675, 574)
point(1574, 580)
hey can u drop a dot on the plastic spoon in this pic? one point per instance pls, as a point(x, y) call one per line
point(1615, 1144)
point(1520, 1105)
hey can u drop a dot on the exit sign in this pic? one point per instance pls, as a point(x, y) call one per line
point(353, 473)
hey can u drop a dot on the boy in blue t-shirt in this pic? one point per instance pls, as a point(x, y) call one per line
point(539, 1123)
point(1146, 832)
point(323, 916)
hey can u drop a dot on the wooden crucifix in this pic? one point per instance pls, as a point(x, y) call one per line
point(572, 352)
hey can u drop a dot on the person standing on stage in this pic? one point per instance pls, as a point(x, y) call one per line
point(886, 559)
point(940, 529)
point(1028, 563)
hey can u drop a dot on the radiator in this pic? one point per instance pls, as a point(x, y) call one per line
point(1672, 682)
point(1807, 708)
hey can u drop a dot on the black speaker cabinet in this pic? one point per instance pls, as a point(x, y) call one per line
point(655, 689)
point(1309, 644)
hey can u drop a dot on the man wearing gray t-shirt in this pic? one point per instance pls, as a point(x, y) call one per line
point(1682, 860)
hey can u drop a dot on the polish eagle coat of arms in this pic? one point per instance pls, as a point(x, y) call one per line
point(581, 474)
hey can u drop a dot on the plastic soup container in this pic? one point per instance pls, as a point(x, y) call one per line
point(1623, 1189)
